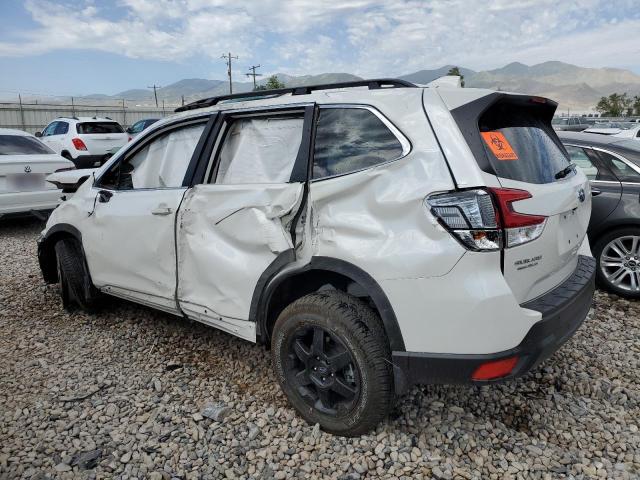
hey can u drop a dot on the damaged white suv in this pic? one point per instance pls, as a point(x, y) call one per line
point(374, 234)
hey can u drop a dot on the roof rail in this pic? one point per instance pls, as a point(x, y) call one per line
point(63, 116)
point(372, 84)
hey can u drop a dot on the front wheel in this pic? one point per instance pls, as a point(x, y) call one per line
point(618, 259)
point(76, 288)
point(332, 360)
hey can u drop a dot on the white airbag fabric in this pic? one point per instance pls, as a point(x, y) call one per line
point(163, 162)
point(260, 150)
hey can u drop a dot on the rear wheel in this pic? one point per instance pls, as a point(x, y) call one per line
point(332, 360)
point(618, 258)
point(76, 288)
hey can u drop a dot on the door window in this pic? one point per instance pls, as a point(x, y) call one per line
point(61, 128)
point(48, 131)
point(624, 172)
point(260, 149)
point(351, 139)
point(161, 163)
point(137, 127)
point(578, 156)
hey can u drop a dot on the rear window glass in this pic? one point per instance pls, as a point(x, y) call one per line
point(521, 145)
point(19, 145)
point(99, 127)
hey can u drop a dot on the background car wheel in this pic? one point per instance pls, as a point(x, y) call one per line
point(332, 360)
point(618, 259)
point(76, 288)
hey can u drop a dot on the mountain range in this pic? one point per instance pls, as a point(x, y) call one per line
point(575, 88)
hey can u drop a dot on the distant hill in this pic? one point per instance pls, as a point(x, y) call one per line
point(426, 76)
point(576, 88)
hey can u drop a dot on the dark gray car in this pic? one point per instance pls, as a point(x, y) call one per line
point(612, 164)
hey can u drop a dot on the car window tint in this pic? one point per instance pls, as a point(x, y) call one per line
point(98, 127)
point(260, 150)
point(61, 128)
point(579, 157)
point(22, 145)
point(162, 163)
point(624, 172)
point(137, 127)
point(351, 139)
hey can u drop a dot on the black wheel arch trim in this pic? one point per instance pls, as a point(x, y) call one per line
point(46, 253)
point(277, 273)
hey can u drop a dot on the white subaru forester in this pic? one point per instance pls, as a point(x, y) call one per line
point(374, 234)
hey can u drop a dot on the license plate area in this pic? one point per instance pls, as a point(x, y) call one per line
point(570, 231)
point(26, 182)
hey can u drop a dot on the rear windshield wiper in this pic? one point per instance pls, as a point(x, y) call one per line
point(565, 171)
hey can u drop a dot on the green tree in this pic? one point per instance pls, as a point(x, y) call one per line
point(614, 105)
point(272, 84)
point(636, 105)
point(455, 71)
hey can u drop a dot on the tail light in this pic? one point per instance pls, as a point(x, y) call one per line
point(519, 228)
point(79, 144)
point(484, 220)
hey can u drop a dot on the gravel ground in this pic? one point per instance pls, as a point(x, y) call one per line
point(121, 394)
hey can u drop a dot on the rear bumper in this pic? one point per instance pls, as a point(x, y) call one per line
point(563, 311)
point(90, 161)
point(24, 202)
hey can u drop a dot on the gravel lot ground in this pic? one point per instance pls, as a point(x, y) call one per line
point(120, 394)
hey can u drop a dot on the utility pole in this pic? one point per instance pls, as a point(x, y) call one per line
point(228, 59)
point(253, 74)
point(155, 92)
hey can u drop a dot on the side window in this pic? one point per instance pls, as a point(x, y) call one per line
point(579, 157)
point(260, 149)
point(61, 128)
point(137, 127)
point(49, 129)
point(621, 170)
point(161, 163)
point(350, 139)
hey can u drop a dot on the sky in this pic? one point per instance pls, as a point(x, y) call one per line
point(82, 47)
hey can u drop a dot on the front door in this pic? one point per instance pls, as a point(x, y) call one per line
point(238, 221)
point(130, 244)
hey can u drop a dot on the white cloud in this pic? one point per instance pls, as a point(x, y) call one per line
point(367, 37)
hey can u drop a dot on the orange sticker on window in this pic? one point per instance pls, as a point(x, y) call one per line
point(499, 145)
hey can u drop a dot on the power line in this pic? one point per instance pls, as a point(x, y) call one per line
point(155, 93)
point(253, 74)
point(228, 59)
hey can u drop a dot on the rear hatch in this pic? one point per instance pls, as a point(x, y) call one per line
point(101, 137)
point(511, 138)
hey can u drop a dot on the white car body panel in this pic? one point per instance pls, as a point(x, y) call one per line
point(229, 234)
point(130, 244)
point(39, 195)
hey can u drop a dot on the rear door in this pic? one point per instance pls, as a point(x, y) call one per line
point(100, 137)
point(512, 138)
point(236, 223)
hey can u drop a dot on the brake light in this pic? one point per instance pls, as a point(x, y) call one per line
point(79, 144)
point(485, 220)
point(519, 228)
point(495, 369)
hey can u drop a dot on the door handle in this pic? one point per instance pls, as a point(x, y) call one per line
point(161, 211)
point(595, 193)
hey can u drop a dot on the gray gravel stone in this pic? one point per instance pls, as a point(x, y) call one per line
point(574, 417)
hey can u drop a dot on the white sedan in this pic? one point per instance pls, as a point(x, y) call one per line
point(25, 162)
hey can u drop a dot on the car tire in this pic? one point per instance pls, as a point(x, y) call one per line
point(76, 288)
point(609, 247)
point(333, 362)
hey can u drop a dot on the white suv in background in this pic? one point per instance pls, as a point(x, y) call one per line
point(86, 141)
point(373, 234)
